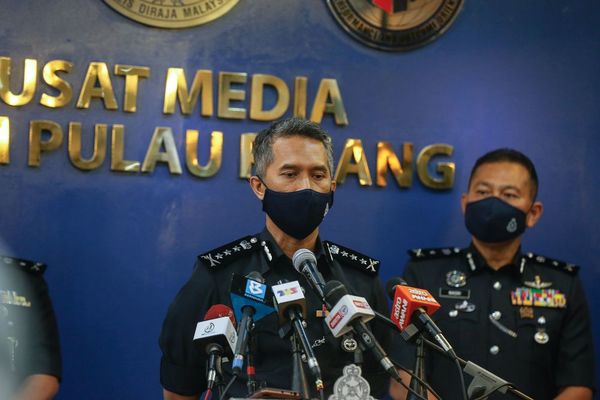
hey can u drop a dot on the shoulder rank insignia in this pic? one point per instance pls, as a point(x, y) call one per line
point(230, 252)
point(570, 268)
point(353, 258)
point(423, 254)
point(35, 268)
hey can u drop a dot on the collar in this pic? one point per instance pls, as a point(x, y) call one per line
point(476, 263)
point(273, 253)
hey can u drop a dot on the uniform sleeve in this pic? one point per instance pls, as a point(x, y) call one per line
point(43, 353)
point(182, 366)
point(575, 366)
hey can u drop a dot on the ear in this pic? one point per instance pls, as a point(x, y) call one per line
point(463, 202)
point(333, 185)
point(534, 214)
point(257, 187)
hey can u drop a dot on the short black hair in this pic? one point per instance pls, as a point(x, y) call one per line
point(262, 149)
point(512, 156)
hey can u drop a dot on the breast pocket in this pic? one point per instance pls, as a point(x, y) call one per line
point(461, 329)
point(537, 343)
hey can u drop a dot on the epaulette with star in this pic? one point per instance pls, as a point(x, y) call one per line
point(32, 267)
point(230, 252)
point(549, 262)
point(427, 254)
point(350, 257)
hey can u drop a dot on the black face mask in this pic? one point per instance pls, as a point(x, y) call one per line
point(492, 220)
point(297, 213)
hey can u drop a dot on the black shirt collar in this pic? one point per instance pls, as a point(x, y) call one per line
point(476, 262)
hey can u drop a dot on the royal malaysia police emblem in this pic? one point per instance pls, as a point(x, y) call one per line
point(172, 13)
point(395, 25)
point(456, 279)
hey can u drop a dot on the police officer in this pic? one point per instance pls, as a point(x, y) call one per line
point(30, 361)
point(293, 160)
point(522, 316)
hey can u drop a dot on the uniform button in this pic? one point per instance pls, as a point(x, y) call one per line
point(453, 313)
point(497, 285)
point(497, 315)
point(494, 350)
point(541, 320)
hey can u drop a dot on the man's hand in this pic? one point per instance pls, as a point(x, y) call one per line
point(575, 393)
point(399, 392)
point(38, 387)
point(174, 396)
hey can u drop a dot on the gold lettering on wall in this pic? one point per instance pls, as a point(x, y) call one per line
point(300, 86)
point(246, 157)
point(227, 95)
point(37, 145)
point(29, 82)
point(162, 137)
point(132, 76)
point(99, 155)
point(176, 88)
point(446, 170)
point(97, 73)
point(259, 81)
point(353, 161)
point(402, 171)
point(191, 154)
point(328, 89)
point(50, 75)
point(4, 140)
point(117, 161)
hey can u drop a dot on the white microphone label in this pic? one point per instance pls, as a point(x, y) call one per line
point(348, 308)
point(217, 327)
point(287, 292)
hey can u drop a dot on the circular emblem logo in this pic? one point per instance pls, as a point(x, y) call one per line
point(172, 13)
point(395, 25)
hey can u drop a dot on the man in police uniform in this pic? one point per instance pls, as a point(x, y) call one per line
point(293, 160)
point(522, 316)
point(30, 362)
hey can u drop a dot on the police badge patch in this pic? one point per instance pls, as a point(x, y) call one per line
point(395, 25)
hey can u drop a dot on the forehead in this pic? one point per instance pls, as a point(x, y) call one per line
point(503, 173)
point(298, 150)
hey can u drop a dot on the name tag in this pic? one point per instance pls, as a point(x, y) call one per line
point(455, 293)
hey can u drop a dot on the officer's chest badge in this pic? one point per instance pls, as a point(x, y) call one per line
point(456, 279)
point(537, 283)
point(12, 298)
point(526, 312)
point(529, 297)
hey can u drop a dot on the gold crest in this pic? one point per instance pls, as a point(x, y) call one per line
point(172, 14)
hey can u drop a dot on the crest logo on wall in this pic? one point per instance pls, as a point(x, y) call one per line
point(172, 13)
point(395, 25)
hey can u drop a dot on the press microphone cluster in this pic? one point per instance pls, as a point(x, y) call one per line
point(346, 312)
point(414, 306)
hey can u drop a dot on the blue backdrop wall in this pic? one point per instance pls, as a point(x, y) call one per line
point(524, 74)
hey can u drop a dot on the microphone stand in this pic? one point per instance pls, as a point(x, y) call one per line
point(483, 380)
point(299, 381)
point(419, 371)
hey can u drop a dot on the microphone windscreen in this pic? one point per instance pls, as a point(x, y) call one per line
point(334, 291)
point(390, 286)
point(302, 255)
point(218, 311)
point(255, 276)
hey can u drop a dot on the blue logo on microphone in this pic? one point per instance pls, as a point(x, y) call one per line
point(255, 290)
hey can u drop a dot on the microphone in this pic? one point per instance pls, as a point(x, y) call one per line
point(291, 306)
point(305, 262)
point(251, 301)
point(415, 305)
point(352, 312)
point(218, 336)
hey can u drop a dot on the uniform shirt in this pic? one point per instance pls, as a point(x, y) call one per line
point(29, 342)
point(527, 322)
point(182, 368)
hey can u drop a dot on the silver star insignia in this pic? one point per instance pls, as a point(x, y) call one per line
point(354, 257)
point(227, 252)
point(344, 253)
point(363, 261)
point(237, 248)
point(219, 256)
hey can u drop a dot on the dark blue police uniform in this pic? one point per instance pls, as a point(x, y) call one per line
point(29, 342)
point(182, 368)
point(527, 322)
